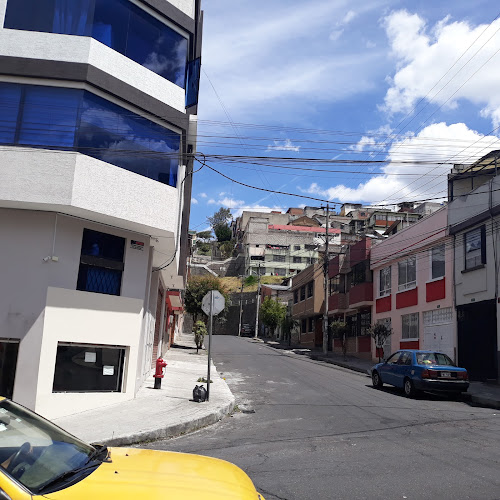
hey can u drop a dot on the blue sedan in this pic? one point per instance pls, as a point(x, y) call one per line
point(414, 371)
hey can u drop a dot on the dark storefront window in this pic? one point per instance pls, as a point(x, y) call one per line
point(88, 368)
point(295, 296)
point(303, 326)
point(119, 24)
point(302, 293)
point(365, 319)
point(101, 263)
point(8, 363)
point(310, 289)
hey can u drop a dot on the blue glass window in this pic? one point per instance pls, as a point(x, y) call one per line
point(119, 24)
point(10, 96)
point(49, 116)
point(78, 120)
point(101, 263)
point(193, 82)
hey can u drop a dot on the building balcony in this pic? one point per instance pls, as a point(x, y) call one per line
point(338, 302)
point(361, 295)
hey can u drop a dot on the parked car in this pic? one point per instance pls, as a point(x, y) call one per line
point(40, 460)
point(413, 371)
point(247, 330)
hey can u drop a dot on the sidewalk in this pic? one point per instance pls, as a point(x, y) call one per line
point(156, 414)
point(479, 393)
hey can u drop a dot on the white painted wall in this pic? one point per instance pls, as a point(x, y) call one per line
point(86, 187)
point(25, 303)
point(88, 318)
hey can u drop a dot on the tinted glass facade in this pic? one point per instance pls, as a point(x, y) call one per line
point(119, 24)
point(77, 120)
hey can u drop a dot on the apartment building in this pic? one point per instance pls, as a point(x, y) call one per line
point(308, 305)
point(351, 296)
point(474, 219)
point(413, 287)
point(98, 102)
point(282, 249)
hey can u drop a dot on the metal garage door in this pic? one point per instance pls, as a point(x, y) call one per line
point(439, 331)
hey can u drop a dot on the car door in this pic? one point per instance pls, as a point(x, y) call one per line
point(403, 368)
point(387, 370)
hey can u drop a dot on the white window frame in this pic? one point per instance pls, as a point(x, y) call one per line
point(414, 321)
point(478, 252)
point(387, 290)
point(408, 284)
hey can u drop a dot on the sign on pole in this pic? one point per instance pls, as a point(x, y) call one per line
point(212, 304)
point(218, 304)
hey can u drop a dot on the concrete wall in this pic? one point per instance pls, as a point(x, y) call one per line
point(28, 237)
point(86, 318)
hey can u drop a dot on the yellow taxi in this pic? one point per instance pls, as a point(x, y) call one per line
point(40, 460)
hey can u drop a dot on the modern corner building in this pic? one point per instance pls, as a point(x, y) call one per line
point(98, 103)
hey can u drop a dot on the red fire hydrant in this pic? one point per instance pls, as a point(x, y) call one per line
point(160, 364)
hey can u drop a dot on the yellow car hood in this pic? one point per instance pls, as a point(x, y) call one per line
point(149, 474)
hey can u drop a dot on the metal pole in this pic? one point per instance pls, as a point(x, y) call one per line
point(241, 307)
point(257, 312)
point(325, 272)
point(210, 341)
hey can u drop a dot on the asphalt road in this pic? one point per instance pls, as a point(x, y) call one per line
point(311, 431)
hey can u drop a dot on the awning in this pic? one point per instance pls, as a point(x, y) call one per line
point(174, 301)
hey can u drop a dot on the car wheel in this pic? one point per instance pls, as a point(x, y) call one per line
point(409, 389)
point(376, 380)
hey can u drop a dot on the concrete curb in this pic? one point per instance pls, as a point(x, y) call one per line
point(172, 431)
point(485, 402)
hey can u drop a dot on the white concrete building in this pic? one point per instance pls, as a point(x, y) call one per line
point(474, 219)
point(98, 120)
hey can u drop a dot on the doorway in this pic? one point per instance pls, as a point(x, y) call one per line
point(8, 362)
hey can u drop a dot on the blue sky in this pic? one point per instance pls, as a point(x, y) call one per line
point(388, 81)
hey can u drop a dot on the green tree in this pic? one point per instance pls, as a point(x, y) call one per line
point(380, 333)
point(272, 313)
point(288, 325)
point(226, 248)
point(339, 331)
point(200, 330)
point(197, 287)
point(219, 222)
point(204, 235)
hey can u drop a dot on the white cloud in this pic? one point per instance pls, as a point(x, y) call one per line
point(230, 202)
point(306, 70)
point(424, 54)
point(285, 145)
point(370, 45)
point(203, 195)
point(363, 143)
point(211, 201)
point(335, 35)
point(194, 201)
point(436, 143)
point(349, 17)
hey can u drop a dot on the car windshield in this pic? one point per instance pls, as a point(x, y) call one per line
point(35, 451)
point(433, 358)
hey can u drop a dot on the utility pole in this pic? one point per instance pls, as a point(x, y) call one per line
point(325, 272)
point(241, 305)
point(257, 311)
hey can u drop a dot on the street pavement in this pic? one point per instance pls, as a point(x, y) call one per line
point(159, 413)
point(305, 429)
point(479, 393)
